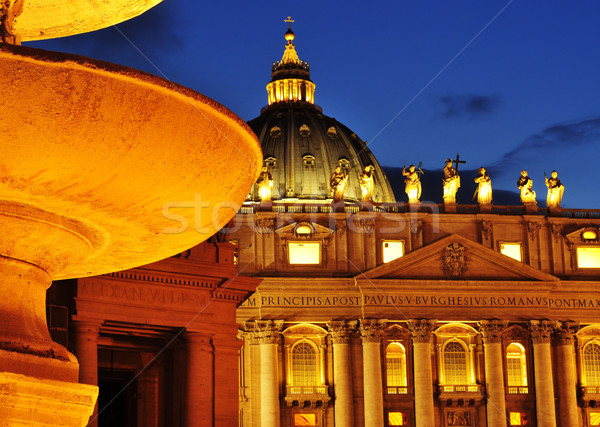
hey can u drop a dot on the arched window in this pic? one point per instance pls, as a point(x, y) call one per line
point(516, 367)
point(455, 364)
point(395, 368)
point(591, 364)
point(304, 365)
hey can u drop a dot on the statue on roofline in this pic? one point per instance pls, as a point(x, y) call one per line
point(412, 183)
point(484, 187)
point(451, 182)
point(525, 185)
point(555, 190)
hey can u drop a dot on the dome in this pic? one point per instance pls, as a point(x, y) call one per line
point(302, 147)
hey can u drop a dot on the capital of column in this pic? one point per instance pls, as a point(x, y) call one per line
point(564, 332)
point(341, 331)
point(371, 329)
point(540, 331)
point(86, 327)
point(421, 330)
point(492, 330)
point(264, 331)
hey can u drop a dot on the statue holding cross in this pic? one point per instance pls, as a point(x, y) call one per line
point(451, 180)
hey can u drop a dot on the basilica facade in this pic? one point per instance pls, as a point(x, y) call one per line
point(373, 312)
point(369, 312)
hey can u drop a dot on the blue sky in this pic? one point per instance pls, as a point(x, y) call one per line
point(507, 84)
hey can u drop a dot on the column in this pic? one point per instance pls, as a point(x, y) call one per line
point(544, 385)
point(567, 374)
point(199, 392)
point(148, 392)
point(268, 337)
point(422, 334)
point(341, 335)
point(85, 348)
point(370, 333)
point(494, 375)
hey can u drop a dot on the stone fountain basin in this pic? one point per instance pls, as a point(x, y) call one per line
point(47, 19)
point(105, 168)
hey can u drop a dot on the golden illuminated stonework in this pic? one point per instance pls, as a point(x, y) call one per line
point(291, 76)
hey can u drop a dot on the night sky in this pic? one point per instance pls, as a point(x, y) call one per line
point(507, 84)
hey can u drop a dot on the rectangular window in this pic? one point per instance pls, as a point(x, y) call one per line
point(512, 250)
point(396, 419)
point(305, 420)
point(518, 418)
point(588, 257)
point(595, 418)
point(305, 253)
point(392, 249)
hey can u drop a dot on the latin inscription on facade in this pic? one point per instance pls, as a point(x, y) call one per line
point(449, 300)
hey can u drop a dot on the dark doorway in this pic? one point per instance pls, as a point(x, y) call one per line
point(117, 401)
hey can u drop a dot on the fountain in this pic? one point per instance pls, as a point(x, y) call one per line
point(102, 168)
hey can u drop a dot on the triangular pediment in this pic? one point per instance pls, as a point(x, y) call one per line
point(455, 257)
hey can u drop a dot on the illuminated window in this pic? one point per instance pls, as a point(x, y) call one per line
point(588, 257)
point(392, 249)
point(455, 363)
point(332, 132)
point(304, 365)
point(396, 419)
point(305, 252)
point(304, 130)
point(518, 418)
point(308, 160)
point(271, 162)
point(512, 250)
point(516, 366)
point(591, 364)
point(344, 163)
point(590, 235)
point(275, 132)
point(305, 419)
point(595, 418)
point(303, 230)
point(395, 367)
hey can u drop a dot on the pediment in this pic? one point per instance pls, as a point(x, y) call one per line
point(456, 258)
point(313, 231)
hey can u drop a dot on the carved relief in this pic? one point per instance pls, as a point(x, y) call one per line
point(371, 330)
point(533, 228)
point(486, 229)
point(263, 226)
point(367, 225)
point(342, 332)
point(564, 332)
point(421, 330)
point(415, 226)
point(540, 331)
point(459, 418)
point(492, 330)
point(454, 260)
point(517, 333)
point(264, 331)
point(340, 227)
point(557, 230)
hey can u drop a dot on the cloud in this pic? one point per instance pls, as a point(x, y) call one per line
point(468, 106)
point(564, 135)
